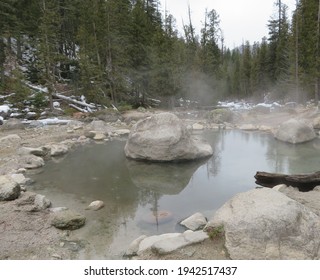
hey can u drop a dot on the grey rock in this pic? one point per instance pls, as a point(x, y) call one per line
point(122, 132)
point(248, 127)
point(41, 202)
point(31, 162)
point(316, 123)
point(309, 199)
point(32, 202)
point(165, 243)
point(148, 242)
point(36, 124)
point(19, 178)
point(12, 140)
point(98, 136)
point(31, 116)
point(266, 224)
point(163, 137)
point(295, 131)
point(220, 116)
point(68, 219)
point(12, 124)
point(197, 126)
point(97, 126)
point(172, 244)
point(95, 205)
point(279, 187)
point(195, 222)
point(134, 246)
point(9, 189)
point(40, 152)
point(58, 209)
point(58, 150)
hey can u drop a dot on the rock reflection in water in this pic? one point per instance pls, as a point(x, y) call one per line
point(162, 178)
point(158, 179)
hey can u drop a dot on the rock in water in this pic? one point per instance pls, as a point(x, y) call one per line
point(95, 205)
point(295, 131)
point(163, 137)
point(160, 217)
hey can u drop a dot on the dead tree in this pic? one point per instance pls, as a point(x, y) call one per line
point(304, 182)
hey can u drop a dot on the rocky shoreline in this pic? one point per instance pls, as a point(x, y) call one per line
point(28, 225)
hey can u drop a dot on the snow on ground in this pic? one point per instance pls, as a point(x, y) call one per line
point(49, 121)
point(235, 105)
point(4, 109)
point(242, 105)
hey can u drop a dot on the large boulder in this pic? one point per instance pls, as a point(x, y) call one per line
point(266, 224)
point(163, 137)
point(295, 131)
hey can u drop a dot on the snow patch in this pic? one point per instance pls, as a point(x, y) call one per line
point(4, 109)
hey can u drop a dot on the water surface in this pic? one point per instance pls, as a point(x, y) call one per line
point(134, 191)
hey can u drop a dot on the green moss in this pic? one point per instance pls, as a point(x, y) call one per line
point(215, 232)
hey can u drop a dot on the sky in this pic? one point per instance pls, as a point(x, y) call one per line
point(240, 20)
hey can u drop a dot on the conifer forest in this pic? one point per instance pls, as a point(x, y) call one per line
point(126, 52)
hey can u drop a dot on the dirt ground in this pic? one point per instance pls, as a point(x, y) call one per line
point(26, 234)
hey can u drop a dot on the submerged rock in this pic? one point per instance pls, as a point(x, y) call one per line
point(163, 137)
point(295, 131)
point(31, 162)
point(159, 217)
point(266, 224)
point(95, 205)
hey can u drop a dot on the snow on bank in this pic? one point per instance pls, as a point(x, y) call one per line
point(4, 109)
point(242, 105)
point(49, 121)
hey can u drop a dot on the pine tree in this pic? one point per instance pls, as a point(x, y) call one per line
point(48, 48)
point(210, 52)
point(308, 23)
point(7, 21)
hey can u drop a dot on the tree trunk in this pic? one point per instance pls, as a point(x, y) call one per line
point(304, 182)
point(317, 81)
point(297, 52)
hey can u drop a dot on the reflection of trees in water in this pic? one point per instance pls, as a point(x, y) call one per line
point(217, 142)
point(214, 164)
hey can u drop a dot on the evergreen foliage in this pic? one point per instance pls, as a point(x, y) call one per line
point(126, 51)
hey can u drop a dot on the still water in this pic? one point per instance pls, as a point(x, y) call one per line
point(134, 191)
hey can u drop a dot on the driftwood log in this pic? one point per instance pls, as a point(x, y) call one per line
point(304, 182)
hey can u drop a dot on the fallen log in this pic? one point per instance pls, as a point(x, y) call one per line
point(66, 98)
point(304, 182)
